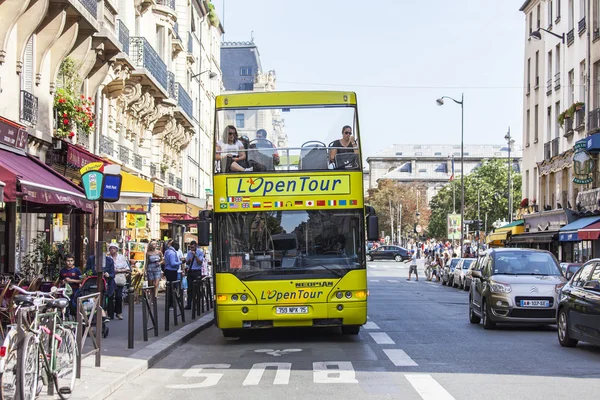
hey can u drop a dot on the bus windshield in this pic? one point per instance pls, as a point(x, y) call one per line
point(286, 244)
point(284, 139)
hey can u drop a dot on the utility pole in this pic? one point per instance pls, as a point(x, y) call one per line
point(391, 220)
point(478, 221)
point(399, 224)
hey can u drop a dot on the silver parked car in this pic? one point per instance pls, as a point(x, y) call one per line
point(515, 286)
point(460, 272)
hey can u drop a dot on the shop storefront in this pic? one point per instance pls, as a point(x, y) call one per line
point(573, 247)
point(502, 235)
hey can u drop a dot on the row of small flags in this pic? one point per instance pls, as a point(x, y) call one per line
point(241, 202)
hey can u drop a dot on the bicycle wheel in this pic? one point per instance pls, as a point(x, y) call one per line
point(66, 363)
point(9, 368)
point(28, 368)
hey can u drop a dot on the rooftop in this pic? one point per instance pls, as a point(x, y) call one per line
point(447, 150)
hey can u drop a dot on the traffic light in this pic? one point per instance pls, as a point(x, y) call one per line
point(477, 225)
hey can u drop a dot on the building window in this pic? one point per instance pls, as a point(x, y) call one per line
point(536, 125)
point(442, 168)
point(239, 120)
point(418, 153)
point(557, 11)
point(160, 41)
point(556, 113)
point(246, 86)
point(596, 14)
point(246, 71)
point(422, 170)
point(530, 23)
point(527, 128)
point(582, 81)
point(538, 15)
point(537, 69)
point(528, 74)
point(549, 123)
point(572, 86)
point(466, 153)
point(550, 13)
point(398, 153)
point(438, 154)
point(406, 167)
point(456, 153)
point(582, 8)
point(571, 14)
point(550, 69)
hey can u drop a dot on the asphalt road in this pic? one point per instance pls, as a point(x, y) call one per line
point(417, 344)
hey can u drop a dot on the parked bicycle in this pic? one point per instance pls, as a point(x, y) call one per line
point(48, 350)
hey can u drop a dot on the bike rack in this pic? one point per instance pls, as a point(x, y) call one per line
point(86, 320)
point(175, 293)
point(149, 311)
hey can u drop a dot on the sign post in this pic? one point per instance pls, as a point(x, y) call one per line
point(101, 183)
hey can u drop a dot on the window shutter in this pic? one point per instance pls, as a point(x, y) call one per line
point(27, 72)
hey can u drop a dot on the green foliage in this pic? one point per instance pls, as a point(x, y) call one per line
point(212, 15)
point(569, 113)
point(491, 181)
point(44, 261)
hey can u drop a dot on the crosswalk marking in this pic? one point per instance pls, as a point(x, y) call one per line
point(392, 281)
point(381, 338)
point(427, 387)
point(373, 280)
point(371, 325)
point(399, 358)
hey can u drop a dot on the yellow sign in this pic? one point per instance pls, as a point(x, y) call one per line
point(136, 221)
point(131, 221)
point(288, 185)
point(93, 166)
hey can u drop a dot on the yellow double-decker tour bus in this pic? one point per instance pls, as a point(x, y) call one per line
point(289, 225)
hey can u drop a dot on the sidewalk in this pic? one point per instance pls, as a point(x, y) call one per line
point(120, 364)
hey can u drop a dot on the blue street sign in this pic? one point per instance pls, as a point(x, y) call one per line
point(112, 188)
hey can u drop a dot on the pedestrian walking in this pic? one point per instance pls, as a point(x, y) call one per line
point(413, 266)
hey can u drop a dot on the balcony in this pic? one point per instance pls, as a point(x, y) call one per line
point(184, 101)
point(171, 85)
point(179, 183)
point(123, 34)
point(107, 146)
point(166, 3)
point(596, 34)
point(171, 179)
point(137, 161)
point(124, 155)
point(594, 121)
point(554, 146)
point(91, 6)
point(547, 153)
point(83, 139)
point(144, 56)
point(549, 87)
point(557, 81)
point(568, 125)
point(570, 37)
point(580, 118)
point(29, 108)
point(582, 25)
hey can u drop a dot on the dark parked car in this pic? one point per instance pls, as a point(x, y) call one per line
point(579, 307)
point(388, 253)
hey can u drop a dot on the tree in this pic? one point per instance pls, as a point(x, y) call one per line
point(390, 197)
point(490, 180)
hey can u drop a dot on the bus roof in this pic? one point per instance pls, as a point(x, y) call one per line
point(285, 99)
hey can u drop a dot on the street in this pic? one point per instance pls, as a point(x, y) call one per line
point(417, 344)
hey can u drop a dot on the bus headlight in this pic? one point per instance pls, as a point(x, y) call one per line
point(234, 297)
point(339, 295)
point(244, 297)
point(348, 295)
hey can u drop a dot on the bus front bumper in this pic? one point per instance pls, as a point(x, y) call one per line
point(266, 316)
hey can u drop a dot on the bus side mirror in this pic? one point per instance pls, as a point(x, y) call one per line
point(203, 233)
point(372, 227)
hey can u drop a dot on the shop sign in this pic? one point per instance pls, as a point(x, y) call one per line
point(587, 200)
point(583, 165)
point(454, 227)
point(101, 182)
point(13, 136)
point(136, 221)
point(159, 190)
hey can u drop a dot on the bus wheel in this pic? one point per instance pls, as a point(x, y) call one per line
point(350, 329)
point(228, 333)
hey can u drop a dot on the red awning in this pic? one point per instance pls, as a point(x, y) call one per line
point(38, 183)
point(78, 156)
point(169, 218)
point(591, 232)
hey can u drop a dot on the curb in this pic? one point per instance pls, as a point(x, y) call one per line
point(100, 383)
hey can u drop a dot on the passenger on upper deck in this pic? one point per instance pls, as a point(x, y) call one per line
point(347, 141)
point(261, 142)
point(233, 149)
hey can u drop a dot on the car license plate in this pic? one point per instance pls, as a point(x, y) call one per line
point(535, 303)
point(292, 310)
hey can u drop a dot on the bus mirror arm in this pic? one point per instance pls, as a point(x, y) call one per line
point(204, 233)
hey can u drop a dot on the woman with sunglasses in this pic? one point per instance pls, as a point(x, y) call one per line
point(347, 142)
point(233, 149)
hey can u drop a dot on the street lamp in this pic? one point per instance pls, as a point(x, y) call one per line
point(212, 75)
point(538, 36)
point(440, 102)
point(509, 141)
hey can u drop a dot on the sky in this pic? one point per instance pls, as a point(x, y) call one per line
point(399, 56)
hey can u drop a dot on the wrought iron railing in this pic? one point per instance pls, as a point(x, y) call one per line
point(124, 155)
point(171, 85)
point(184, 100)
point(547, 153)
point(178, 183)
point(83, 139)
point(123, 33)
point(549, 87)
point(570, 37)
point(91, 6)
point(554, 146)
point(171, 179)
point(167, 3)
point(107, 145)
point(190, 43)
point(143, 55)
point(153, 170)
point(582, 25)
point(29, 108)
point(557, 81)
point(594, 121)
point(176, 30)
point(137, 161)
point(568, 124)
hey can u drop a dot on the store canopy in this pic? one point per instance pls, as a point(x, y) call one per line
point(590, 232)
point(136, 195)
point(569, 232)
point(534, 237)
point(514, 227)
point(41, 188)
point(496, 238)
point(169, 218)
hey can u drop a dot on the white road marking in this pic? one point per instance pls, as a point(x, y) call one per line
point(373, 280)
point(370, 325)
point(381, 338)
point(427, 387)
point(210, 379)
point(392, 281)
point(344, 373)
point(372, 266)
point(277, 353)
point(400, 358)
point(282, 376)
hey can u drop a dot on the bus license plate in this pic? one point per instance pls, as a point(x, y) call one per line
point(292, 310)
point(535, 303)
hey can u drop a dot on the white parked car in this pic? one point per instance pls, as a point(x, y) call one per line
point(460, 273)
